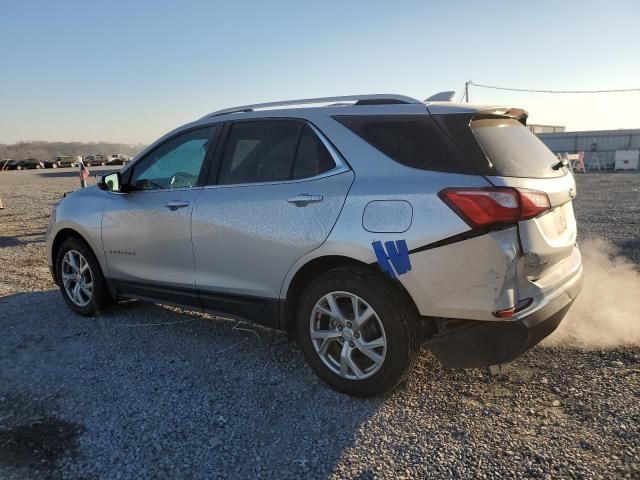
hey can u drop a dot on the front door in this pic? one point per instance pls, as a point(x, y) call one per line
point(146, 231)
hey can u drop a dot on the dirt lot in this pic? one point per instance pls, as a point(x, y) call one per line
point(148, 391)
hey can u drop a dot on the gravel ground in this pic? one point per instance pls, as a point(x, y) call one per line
point(204, 397)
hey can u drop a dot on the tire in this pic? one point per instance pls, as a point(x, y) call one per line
point(393, 322)
point(100, 298)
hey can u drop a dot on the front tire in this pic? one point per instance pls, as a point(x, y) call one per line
point(80, 278)
point(357, 331)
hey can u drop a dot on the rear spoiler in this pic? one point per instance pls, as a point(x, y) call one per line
point(478, 111)
point(516, 113)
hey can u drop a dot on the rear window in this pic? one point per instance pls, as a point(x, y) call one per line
point(513, 150)
point(413, 140)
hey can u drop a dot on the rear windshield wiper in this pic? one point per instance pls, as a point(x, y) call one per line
point(562, 163)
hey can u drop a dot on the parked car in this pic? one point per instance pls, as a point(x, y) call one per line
point(51, 164)
point(93, 160)
point(28, 163)
point(66, 161)
point(117, 159)
point(365, 228)
point(8, 164)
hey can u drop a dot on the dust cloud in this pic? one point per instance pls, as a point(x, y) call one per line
point(607, 311)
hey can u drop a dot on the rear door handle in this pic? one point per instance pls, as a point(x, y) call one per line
point(176, 204)
point(304, 198)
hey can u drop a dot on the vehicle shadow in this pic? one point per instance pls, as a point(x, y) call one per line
point(205, 382)
point(21, 239)
point(163, 392)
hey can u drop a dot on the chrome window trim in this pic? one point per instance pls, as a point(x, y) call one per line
point(184, 189)
point(328, 173)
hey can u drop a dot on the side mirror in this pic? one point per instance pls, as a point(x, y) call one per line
point(111, 182)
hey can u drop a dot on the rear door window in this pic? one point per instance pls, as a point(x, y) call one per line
point(413, 140)
point(271, 151)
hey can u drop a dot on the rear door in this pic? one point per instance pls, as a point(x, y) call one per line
point(277, 190)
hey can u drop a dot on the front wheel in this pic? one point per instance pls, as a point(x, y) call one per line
point(80, 279)
point(357, 331)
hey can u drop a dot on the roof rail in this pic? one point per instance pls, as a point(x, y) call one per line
point(377, 99)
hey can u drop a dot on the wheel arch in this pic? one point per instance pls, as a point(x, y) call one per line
point(68, 232)
point(318, 265)
point(60, 237)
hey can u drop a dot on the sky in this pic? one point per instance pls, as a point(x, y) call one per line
point(129, 71)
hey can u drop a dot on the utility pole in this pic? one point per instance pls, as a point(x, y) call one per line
point(466, 91)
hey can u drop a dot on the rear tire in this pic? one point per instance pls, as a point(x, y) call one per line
point(329, 340)
point(77, 265)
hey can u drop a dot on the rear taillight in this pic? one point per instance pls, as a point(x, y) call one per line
point(532, 203)
point(484, 207)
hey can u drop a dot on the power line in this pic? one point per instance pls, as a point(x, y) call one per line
point(554, 91)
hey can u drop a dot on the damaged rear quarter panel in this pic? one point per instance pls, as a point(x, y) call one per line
point(468, 279)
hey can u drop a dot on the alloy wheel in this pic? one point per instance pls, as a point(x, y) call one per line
point(77, 278)
point(348, 335)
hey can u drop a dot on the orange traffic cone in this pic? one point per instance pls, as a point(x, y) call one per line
point(1, 204)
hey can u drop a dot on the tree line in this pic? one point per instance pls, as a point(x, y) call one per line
point(47, 150)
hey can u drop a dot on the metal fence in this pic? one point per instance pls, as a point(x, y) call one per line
point(608, 142)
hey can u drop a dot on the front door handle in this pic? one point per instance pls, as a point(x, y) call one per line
point(176, 204)
point(304, 199)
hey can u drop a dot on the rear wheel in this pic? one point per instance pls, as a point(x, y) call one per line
point(357, 332)
point(80, 278)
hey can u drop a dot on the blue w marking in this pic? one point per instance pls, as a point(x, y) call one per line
point(396, 256)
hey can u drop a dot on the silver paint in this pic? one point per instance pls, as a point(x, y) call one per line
point(387, 216)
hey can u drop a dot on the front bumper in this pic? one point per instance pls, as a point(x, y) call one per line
point(477, 343)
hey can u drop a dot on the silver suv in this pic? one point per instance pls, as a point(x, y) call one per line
point(367, 226)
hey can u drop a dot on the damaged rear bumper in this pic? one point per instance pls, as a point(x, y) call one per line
point(476, 343)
